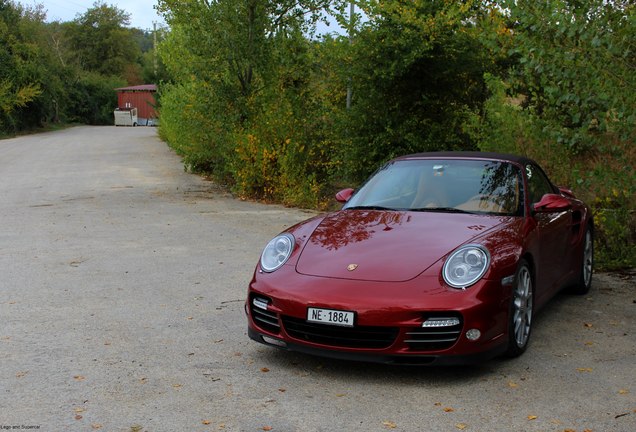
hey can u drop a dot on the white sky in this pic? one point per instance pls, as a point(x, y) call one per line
point(142, 12)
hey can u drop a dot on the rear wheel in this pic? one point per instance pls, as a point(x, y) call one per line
point(521, 308)
point(587, 265)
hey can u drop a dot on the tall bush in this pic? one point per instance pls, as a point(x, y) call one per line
point(567, 101)
point(243, 96)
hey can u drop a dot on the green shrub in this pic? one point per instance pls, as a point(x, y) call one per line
point(283, 154)
point(92, 99)
point(191, 125)
point(603, 176)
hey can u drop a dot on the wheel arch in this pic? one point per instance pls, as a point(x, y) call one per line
point(529, 258)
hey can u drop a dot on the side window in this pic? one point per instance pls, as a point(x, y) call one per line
point(538, 183)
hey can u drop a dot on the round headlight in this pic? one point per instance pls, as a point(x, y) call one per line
point(277, 252)
point(466, 266)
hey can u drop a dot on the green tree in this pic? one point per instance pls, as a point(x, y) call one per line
point(576, 66)
point(239, 69)
point(417, 74)
point(92, 98)
point(232, 43)
point(22, 73)
point(567, 100)
point(101, 41)
point(153, 69)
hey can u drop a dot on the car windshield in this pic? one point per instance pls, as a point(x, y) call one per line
point(449, 185)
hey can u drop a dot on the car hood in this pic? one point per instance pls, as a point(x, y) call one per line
point(389, 246)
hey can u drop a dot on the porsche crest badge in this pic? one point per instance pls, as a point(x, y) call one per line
point(352, 267)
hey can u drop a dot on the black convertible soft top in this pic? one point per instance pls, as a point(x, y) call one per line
point(521, 160)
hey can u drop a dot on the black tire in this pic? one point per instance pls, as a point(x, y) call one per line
point(584, 283)
point(521, 311)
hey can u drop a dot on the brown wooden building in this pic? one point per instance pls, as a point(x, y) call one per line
point(141, 97)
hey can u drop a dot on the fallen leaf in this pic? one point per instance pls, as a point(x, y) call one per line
point(589, 343)
point(189, 318)
point(587, 430)
point(79, 410)
point(267, 428)
point(588, 325)
point(79, 378)
point(532, 417)
point(282, 390)
point(206, 422)
point(143, 380)
point(584, 369)
point(569, 430)
point(222, 426)
point(340, 394)
point(264, 369)
point(78, 417)
point(448, 409)
point(389, 424)
point(107, 343)
point(461, 426)
point(96, 426)
point(177, 385)
point(438, 404)
point(21, 374)
point(512, 384)
point(623, 391)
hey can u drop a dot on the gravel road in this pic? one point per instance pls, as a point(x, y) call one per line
point(121, 309)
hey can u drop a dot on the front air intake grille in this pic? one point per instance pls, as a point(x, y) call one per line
point(345, 337)
point(264, 318)
point(442, 334)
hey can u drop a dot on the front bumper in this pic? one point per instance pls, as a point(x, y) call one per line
point(395, 359)
point(388, 326)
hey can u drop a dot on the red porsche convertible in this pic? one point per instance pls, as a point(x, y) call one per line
point(438, 258)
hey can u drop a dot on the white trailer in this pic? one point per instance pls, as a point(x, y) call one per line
point(126, 117)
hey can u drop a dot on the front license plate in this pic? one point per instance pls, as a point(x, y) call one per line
point(330, 316)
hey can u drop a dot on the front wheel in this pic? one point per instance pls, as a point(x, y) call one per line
point(520, 315)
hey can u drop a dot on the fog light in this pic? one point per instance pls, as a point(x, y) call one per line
point(273, 341)
point(473, 334)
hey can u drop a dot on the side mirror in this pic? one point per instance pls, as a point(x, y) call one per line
point(567, 192)
point(344, 195)
point(552, 203)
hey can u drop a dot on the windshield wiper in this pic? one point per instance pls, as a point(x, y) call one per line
point(370, 207)
point(442, 210)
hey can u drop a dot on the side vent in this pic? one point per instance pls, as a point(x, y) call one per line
point(436, 333)
point(262, 316)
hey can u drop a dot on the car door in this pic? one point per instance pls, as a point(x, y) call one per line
point(552, 233)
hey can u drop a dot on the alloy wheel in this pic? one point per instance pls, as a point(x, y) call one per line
point(588, 259)
point(522, 307)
